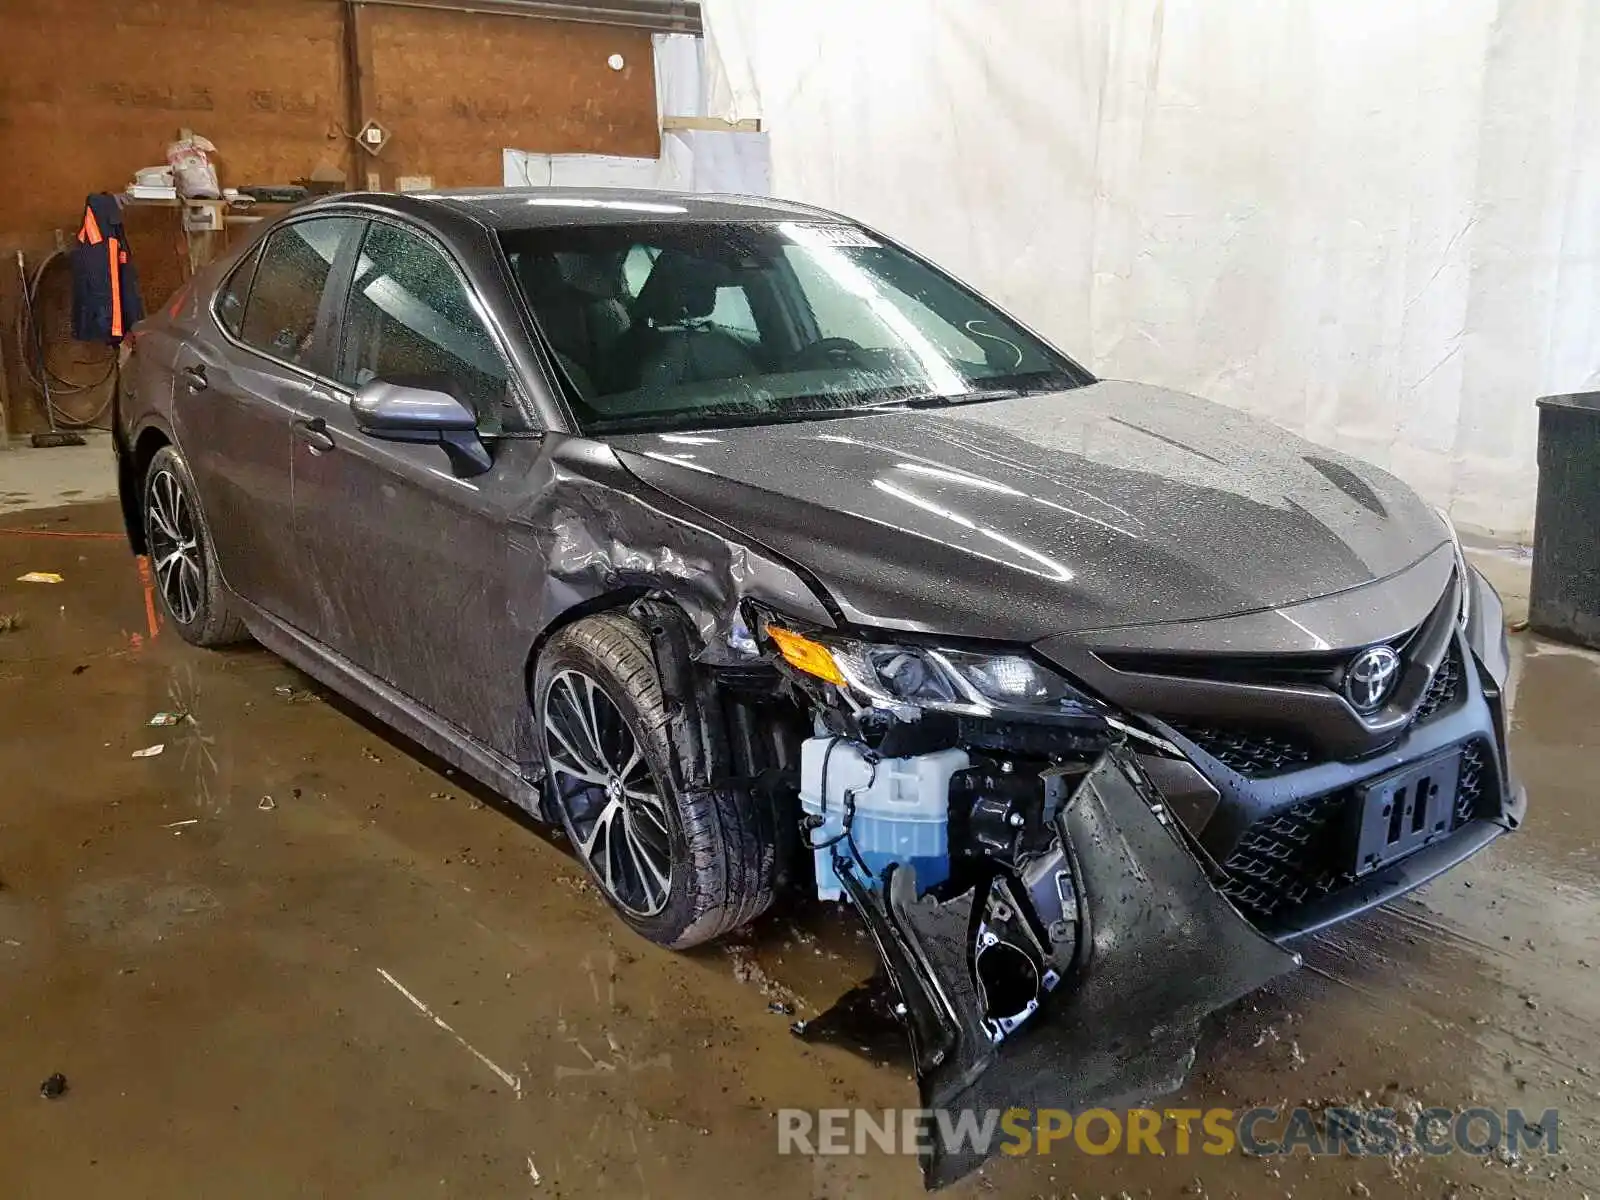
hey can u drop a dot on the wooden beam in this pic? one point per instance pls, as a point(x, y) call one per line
point(711, 124)
point(359, 88)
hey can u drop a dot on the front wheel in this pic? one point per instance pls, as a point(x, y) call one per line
point(682, 858)
point(183, 562)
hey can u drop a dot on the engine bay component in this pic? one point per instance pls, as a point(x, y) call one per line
point(880, 810)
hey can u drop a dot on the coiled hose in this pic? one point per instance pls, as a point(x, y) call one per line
point(31, 359)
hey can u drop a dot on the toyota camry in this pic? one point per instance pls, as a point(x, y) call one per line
point(761, 555)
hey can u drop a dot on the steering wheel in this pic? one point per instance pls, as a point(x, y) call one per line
point(826, 352)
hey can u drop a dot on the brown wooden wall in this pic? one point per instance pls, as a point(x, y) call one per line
point(92, 91)
point(454, 89)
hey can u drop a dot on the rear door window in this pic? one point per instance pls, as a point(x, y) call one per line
point(235, 293)
point(280, 318)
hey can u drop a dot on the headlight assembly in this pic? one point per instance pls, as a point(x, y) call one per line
point(957, 681)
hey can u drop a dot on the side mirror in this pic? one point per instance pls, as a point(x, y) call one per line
point(398, 412)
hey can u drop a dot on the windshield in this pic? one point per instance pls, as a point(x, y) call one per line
point(662, 325)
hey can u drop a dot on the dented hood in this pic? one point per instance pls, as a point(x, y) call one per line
point(1108, 505)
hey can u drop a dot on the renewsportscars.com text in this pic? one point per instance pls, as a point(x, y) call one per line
point(1260, 1132)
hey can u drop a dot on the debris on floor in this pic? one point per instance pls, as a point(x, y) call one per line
point(55, 1087)
point(162, 720)
point(266, 804)
point(10, 622)
point(149, 751)
point(180, 824)
point(40, 577)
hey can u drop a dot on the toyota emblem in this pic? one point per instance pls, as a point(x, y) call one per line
point(1370, 677)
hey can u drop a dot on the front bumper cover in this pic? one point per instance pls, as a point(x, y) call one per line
point(1155, 949)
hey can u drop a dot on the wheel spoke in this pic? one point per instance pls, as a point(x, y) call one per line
point(577, 710)
point(603, 825)
point(189, 590)
point(583, 773)
point(642, 873)
point(562, 698)
point(159, 516)
point(644, 858)
point(592, 726)
point(180, 513)
point(610, 799)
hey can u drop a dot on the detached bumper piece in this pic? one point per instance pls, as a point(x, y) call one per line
point(1078, 982)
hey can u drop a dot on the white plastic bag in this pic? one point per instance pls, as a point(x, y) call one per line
point(192, 171)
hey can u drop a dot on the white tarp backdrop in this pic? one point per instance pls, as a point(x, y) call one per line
point(1377, 224)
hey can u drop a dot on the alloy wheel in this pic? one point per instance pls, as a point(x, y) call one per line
point(613, 804)
point(175, 547)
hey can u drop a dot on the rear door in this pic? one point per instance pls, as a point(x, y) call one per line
point(410, 561)
point(237, 390)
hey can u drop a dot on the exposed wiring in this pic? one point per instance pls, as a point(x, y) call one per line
point(817, 821)
point(31, 358)
point(813, 823)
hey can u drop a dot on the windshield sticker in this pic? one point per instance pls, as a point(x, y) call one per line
point(831, 235)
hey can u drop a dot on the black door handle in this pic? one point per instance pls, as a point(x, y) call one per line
point(194, 378)
point(314, 433)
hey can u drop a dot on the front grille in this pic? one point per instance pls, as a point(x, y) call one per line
point(1442, 688)
point(1288, 858)
point(1301, 853)
point(1256, 755)
point(1477, 792)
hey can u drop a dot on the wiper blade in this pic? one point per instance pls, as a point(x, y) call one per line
point(940, 401)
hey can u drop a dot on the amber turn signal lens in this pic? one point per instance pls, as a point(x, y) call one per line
point(803, 654)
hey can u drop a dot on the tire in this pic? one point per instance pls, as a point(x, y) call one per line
point(183, 562)
point(720, 853)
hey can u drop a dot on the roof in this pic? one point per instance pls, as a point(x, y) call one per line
point(505, 209)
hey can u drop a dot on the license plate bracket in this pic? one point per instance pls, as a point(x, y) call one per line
point(1405, 810)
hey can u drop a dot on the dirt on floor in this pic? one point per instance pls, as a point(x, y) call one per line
point(288, 955)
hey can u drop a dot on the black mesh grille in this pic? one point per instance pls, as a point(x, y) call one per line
point(1442, 688)
point(1288, 858)
point(1253, 754)
point(1477, 790)
point(1299, 854)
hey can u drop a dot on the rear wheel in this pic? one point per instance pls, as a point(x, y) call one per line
point(183, 563)
point(681, 858)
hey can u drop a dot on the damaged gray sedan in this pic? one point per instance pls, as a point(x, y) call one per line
point(761, 554)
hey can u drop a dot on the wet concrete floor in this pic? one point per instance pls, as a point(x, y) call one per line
point(234, 986)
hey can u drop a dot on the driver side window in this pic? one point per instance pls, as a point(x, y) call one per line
point(410, 318)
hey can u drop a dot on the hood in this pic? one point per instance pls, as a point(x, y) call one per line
point(1108, 505)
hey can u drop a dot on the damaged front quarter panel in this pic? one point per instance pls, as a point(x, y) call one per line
point(1139, 949)
point(607, 534)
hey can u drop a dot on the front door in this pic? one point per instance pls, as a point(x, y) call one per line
point(410, 562)
point(240, 383)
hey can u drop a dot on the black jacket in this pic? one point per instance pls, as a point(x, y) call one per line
point(105, 287)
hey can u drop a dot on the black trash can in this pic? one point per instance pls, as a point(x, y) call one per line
point(1565, 597)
